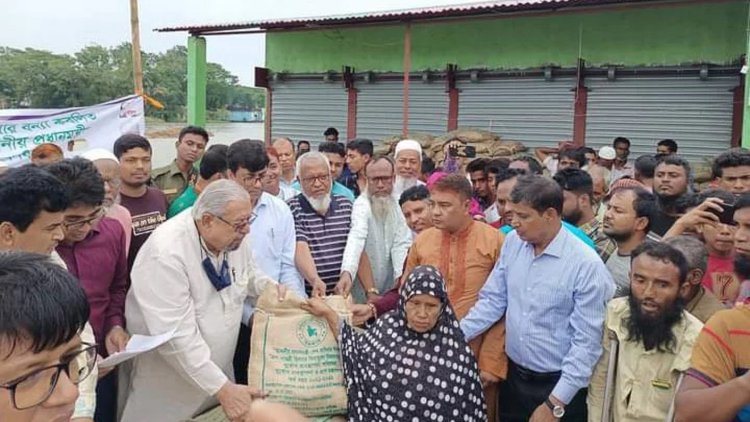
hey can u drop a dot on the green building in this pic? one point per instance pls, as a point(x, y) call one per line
point(536, 71)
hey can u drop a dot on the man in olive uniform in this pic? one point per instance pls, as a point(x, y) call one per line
point(173, 179)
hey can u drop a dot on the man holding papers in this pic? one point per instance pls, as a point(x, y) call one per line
point(192, 276)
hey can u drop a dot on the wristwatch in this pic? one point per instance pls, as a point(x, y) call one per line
point(557, 411)
point(373, 291)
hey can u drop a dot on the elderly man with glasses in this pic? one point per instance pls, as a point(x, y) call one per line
point(191, 278)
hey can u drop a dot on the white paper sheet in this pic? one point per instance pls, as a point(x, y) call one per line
point(138, 344)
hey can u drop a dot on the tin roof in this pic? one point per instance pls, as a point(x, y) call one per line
point(425, 13)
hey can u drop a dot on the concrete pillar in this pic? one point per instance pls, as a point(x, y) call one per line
point(196, 81)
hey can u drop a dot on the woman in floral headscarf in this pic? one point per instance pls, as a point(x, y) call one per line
point(413, 364)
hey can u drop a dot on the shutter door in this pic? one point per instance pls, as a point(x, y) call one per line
point(303, 109)
point(646, 109)
point(428, 107)
point(530, 110)
point(380, 109)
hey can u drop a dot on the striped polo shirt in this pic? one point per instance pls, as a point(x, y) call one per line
point(324, 234)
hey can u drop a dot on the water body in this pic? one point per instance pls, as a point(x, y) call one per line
point(221, 133)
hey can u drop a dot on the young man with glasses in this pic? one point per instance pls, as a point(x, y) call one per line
point(43, 356)
point(94, 251)
point(271, 232)
point(32, 212)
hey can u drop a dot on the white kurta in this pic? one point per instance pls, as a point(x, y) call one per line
point(386, 245)
point(170, 289)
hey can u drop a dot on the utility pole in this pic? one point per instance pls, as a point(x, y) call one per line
point(136, 47)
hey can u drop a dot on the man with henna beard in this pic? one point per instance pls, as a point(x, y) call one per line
point(654, 337)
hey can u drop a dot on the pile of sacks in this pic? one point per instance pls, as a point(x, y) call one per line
point(487, 144)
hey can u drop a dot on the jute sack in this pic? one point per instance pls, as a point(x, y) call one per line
point(294, 356)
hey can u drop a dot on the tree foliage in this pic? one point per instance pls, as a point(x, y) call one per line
point(41, 79)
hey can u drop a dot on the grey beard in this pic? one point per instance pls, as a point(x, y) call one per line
point(381, 207)
point(320, 205)
point(404, 183)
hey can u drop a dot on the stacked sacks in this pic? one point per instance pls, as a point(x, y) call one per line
point(487, 144)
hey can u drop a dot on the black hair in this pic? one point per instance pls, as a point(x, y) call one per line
point(728, 159)
point(195, 130)
point(621, 140)
point(576, 181)
point(40, 302)
point(27, 191)
point(644, 203)
point(130, 141)
point(213, 162)
point(589, 150)
point(248, 154)
point(663, 252)
point(534, 166)
point(478, 164)
point(303, 142)
point(538, 192)
point(332, 148)
point(414, 193)
point(81, 179)
point(362, 146)
point(645, 166)
point(674, 160)
point(725, 196)
point(507, 174)
point(496, 164)
point(331, 131)
point(669, 143)
point(576, 154)
point(220, 148)
point(455, 183)
point(428, 165)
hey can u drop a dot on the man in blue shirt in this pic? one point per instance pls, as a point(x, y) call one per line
point(271, 231)
point(552, 291)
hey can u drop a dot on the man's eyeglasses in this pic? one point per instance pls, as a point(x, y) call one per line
point(77, 224)
point(254, 178)
point(35, 388)
point(312, 179)
point(237, 227)
point(381, 179)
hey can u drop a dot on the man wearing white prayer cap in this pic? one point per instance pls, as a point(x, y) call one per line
point(408, 157)
point(109, 167)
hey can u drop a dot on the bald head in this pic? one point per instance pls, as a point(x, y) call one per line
point(285, 148)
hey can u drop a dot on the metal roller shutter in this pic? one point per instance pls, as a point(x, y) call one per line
point(380, 108)
point(645, 109)
point(531, 110)
point(303, 109)
point(428, 107)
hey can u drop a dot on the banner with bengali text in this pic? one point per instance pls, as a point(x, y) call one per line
point(73, 129)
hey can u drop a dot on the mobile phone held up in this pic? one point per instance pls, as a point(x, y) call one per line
point(467, 151)
point(726, 216)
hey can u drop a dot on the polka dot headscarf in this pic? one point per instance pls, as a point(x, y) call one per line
point(396, 374)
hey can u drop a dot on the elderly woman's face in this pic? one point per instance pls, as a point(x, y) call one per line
point(422, 312)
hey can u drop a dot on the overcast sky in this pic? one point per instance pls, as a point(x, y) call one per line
point(67, 26)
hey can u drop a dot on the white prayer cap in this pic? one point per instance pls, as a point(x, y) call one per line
point(408, 145)
point(607, 153)
point(99, 154)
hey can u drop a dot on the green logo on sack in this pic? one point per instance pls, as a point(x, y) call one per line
point(312, 331)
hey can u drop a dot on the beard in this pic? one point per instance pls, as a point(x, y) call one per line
point(404, 183)
point(619, 237)
point(654, 331)
point(742, 266)
point(574, 217)
point(381, 207)
point(320, 204)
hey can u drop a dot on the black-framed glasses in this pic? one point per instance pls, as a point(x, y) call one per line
point(312, 179)
point(77, 224)
point(237, 227)
point(35, 388)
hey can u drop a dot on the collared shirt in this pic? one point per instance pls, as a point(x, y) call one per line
point(86, 402)
point(704, 305)
point(183, 202)
point(100, 263)
point(122, 215)
point(170, 180)
point(170, 291)
point(336, 189)
point(554, 306)
point(286, 192)
point(605, 246)
point(722, 352)
point(349, 180)
point(273, 244)
point(575, 231)
point(324, 234)
point(465, 260)
point(645, 380)
point(386, 244)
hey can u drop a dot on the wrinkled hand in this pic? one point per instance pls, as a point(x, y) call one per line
point(344, 286)
point(316, 306)
point(236, 399)
point(361, 314)
point(543, 414)
point(486, 378)
point(702, 214)
point(318, 288)
point(116, 340)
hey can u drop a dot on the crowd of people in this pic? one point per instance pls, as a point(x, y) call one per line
point(573, 285)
